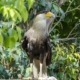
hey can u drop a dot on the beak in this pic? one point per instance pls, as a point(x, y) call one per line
point(53, 15)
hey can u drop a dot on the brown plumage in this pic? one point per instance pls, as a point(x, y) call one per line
point(37, 44)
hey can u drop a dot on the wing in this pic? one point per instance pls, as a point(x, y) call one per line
point(24, 44)
point(48, 60)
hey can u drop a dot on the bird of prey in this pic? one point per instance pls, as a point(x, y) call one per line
point(37, 44)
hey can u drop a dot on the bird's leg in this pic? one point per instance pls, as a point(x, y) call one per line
point(35, 68)
point(44, 69)
point(41, 65)
point(41, 69)
point(44, 66)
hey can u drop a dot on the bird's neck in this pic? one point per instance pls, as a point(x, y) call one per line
point(40, 27)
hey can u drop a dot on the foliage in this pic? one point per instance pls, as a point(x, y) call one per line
point(14, 62)
point(65, 61)
point(12, 12)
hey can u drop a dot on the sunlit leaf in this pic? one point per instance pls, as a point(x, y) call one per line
point(77, 55)
point(12, 13)
point(5, 11)
point(73, 70)
point(72, 47)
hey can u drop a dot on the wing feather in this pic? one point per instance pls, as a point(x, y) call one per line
point(48, 60)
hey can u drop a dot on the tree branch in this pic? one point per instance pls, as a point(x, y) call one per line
point(61, 16)
point(61, 2)
point(65, 39)
point(69, 6)
point(73, 29)
point(77, 8)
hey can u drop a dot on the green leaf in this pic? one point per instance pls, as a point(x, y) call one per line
point(1, 48)
point(56, 8)
point(19, 32)
point(12, 42)
point(61, 75)
point(17, 44)
point(27, 72)
point(73, 70)
point(1, 68)
point(7, 41)
point(14, 34)
point(21, 68)
point(10, 31)
point(18, 15)
point(11, 58)
point(77, 55)
point(15, 15)
point(21, 12)
point(5, 11)
point(62, 12)
point(1, 39)
point(12, 13)
point(49, 5)
point(19, 5)
point(43, 3)
point(24, 14)
point(16, 57)
point(30, 3)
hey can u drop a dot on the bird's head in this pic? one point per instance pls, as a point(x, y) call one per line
point(43, 20)
point(45, 16)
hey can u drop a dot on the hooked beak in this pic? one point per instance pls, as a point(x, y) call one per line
point(53, 15)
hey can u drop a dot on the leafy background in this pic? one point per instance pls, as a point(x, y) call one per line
point(16, 17)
